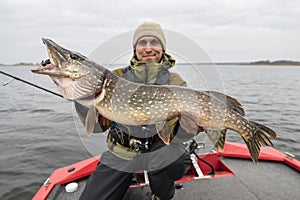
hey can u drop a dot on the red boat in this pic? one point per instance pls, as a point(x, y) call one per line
point(229, 174)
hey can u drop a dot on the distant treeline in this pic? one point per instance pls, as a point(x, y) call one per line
point(278, 62)
point(20, 64)
point(261, 62)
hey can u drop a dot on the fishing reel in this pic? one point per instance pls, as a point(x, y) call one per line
point(192, 146)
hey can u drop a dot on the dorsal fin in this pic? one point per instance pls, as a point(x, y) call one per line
point(230, 101)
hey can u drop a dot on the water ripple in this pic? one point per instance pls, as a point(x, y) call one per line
point(38, 133)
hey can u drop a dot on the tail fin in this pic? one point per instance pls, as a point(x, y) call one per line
point(260, 136)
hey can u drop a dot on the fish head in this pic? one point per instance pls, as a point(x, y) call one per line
point(75, 76)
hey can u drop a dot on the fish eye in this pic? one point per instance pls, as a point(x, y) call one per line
point(76, 75)
point(74, 56)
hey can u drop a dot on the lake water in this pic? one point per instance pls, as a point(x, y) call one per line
point(40, 132)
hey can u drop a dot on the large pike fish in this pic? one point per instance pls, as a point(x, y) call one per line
point(102, 92)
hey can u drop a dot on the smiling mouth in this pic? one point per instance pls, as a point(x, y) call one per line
point(149, 56)
point(145, 55)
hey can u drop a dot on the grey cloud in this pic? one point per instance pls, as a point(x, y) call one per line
point(228, 30)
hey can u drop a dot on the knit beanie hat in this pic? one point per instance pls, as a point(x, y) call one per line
point(149, 29)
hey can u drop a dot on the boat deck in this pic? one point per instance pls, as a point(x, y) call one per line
point(267, 180)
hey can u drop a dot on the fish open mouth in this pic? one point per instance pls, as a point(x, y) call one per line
point(64, 82)
point(64, 68)
point(57, 75)
point(46, 67)
point(53, 65)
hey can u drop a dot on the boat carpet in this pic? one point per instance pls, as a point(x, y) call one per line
point(266, 181)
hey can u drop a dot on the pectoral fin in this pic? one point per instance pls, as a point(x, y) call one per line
point(164, 132)
point(91, 119)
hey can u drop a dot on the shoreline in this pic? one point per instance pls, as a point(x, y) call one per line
point(256, 63)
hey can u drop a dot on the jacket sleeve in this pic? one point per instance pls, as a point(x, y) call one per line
point(176, 79)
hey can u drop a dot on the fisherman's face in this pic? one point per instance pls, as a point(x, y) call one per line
point(149, 49)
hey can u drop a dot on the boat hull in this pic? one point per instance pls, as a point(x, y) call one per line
point(233, 163)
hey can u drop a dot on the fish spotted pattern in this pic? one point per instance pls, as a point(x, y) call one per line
point(102, 92)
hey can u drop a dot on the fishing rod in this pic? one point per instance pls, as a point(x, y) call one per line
point(26, 82)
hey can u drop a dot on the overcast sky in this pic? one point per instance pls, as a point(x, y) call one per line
point(228, 30)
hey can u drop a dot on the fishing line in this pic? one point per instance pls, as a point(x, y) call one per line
point(29, 83)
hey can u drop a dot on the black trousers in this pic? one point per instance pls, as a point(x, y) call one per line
point(113, 175)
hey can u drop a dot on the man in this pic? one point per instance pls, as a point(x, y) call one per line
point(139, 147)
